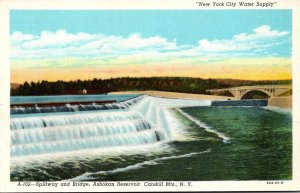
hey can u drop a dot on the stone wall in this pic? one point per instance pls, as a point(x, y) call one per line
point(245, 102)
point(282, 102)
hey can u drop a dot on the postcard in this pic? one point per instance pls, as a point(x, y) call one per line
point(146, 95)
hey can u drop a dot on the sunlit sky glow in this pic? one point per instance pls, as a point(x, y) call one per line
point(70, 45)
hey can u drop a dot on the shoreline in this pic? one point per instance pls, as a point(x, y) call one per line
point(285, 102)
point(166, 94)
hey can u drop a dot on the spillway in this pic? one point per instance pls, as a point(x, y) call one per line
point(139, 121)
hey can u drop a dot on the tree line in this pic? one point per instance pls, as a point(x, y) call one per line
point(103, 86)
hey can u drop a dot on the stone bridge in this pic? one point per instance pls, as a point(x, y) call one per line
point(240, 92)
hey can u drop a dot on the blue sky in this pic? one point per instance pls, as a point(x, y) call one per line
point(108, 43)
point(185, 26)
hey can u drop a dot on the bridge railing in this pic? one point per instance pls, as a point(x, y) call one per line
point(253, 87)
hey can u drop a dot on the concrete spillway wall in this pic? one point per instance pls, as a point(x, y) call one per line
point(282, 102)
point(248, 102)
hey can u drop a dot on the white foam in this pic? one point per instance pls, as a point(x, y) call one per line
point(90, 154)
point(67, 132)
point(278, 110)
point(88, 175)
point(205, 126)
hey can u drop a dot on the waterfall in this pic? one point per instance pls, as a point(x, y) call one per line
point(73, 108)
point(139, 121)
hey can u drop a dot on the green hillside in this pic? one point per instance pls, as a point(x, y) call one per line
point(102, 86)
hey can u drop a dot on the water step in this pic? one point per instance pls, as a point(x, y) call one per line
point(55, 104)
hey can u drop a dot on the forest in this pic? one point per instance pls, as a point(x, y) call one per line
point(103, 86)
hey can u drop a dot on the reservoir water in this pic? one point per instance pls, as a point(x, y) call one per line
point(69, 98)
point(150, 138)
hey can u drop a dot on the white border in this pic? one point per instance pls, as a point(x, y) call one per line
point(7, 5)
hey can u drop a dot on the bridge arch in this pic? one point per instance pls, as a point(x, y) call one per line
point(260, 92)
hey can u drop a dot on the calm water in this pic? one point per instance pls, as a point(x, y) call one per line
point(70, 98)
point(212, 143)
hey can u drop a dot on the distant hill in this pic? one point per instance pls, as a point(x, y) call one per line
point(237, 82)
point(102, 86)
point(14, 85)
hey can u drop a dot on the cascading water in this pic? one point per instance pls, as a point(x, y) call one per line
point(146, 139)
point(139, 121)
point(73, 108)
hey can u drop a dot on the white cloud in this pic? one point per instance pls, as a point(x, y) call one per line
point(64, 44)
point(263, 37)
point(59, 38)
point(135, 41)
point(19, 37)
point(262, 32)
